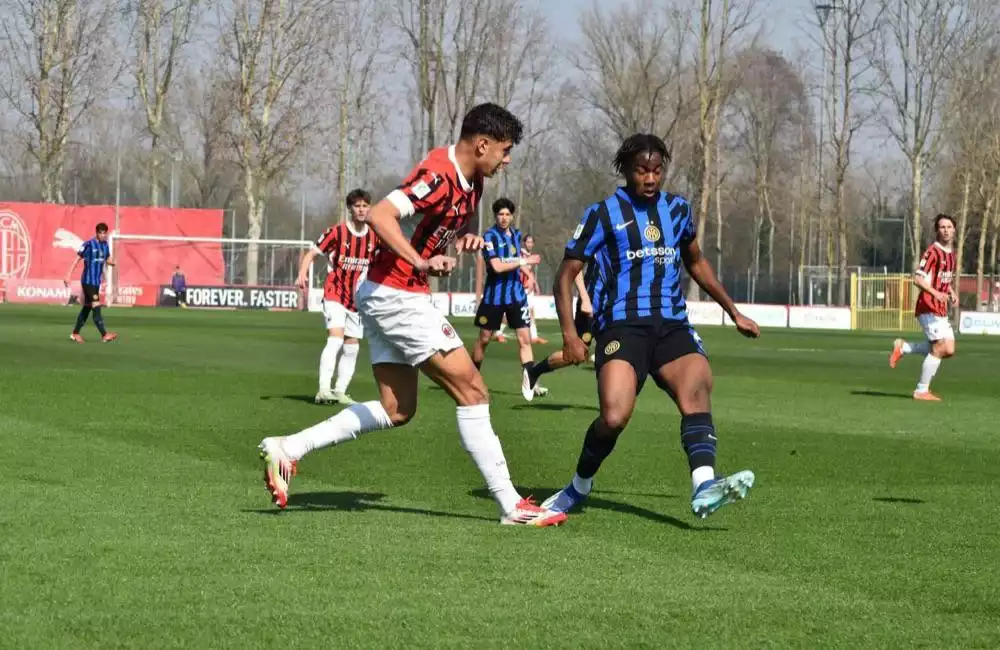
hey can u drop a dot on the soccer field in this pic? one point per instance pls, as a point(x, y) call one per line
point(135, 514)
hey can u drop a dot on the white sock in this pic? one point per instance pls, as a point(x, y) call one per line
point(534, 330)
point(701, 474)
point(478, 439)
point(927, 372)
point(916, 348)
point(328, 362)
point(345, 369)
point(346, 425)
point(501, 330)
point(583, 485)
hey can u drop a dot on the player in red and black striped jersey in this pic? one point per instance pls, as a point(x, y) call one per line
point(407, 334)
point(348, 248)
point(935, 277)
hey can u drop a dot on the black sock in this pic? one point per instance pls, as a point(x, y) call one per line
point(539, 369)
point(527, 366)
point(698, 439)
point(595, 449)
point(81, 318)
point(477, 364)
point(99, 321)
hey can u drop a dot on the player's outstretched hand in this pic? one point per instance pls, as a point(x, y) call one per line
point(469, 243)
point(440, 265)
point(574, 350)
point(746, 326)
point(301, 282)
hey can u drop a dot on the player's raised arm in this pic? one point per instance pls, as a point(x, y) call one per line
point(588, 238)
point(702, 272)
point(492, 254)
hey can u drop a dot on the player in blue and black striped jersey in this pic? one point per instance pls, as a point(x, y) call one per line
point(638, 238)
point(503, 291)
point(95, 254)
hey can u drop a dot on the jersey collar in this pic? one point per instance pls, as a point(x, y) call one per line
point(466, 185)
point(946, 249)
point(357, 233)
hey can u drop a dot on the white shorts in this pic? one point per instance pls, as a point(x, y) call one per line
point(936, 328)
point(338, 316)
point(403, 327)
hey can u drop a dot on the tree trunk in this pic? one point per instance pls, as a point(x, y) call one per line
point(718, 211)
point(342, 158)
point(770, 234)
point(983, 228)
point(255, 220)
point(154, 175)
point(963, 220)
point(915, 192)
point(841, 244)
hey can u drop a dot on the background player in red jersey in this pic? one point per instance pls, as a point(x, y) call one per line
point(405, 330)
point(348, 247)
point(935, 276)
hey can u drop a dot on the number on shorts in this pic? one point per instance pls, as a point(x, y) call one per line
point(526, 314)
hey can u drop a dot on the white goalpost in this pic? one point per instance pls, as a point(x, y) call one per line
point(225, 259)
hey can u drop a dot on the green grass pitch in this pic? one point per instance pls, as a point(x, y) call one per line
point(134, 514)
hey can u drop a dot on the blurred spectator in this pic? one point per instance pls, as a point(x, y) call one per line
point(179, 284)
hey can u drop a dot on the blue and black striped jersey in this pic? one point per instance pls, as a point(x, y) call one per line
point(95, 254)
point(636, 249)
point(503, 288)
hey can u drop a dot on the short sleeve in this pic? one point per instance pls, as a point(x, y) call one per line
point(689, 230)
point(328, 241)
point(588, 237)
point(422, 189)
point(84, 250)
point(491, 246)
point(928, 263)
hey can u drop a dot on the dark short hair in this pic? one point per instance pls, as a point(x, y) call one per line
point(527, 237)
point(101, 227)
point(635, 145)
point(492, 121)
point(358, 195)
point(501, 203)
point(938, 219)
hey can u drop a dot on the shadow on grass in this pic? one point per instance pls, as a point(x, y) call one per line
point(878, 393)
point(551, 406)
point(898, 500)
point(606, 504)
point(354, 502)
point(308, 399)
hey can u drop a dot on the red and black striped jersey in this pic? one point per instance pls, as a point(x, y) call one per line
point(445, 199)
point(348, 254)
point(937, 266)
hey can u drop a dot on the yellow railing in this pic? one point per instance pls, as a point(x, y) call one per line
point(883, 302)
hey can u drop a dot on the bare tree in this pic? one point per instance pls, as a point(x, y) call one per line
point(848, 44)
point(59, 60)
point(631, 66)
point(422, 23)
point(918, 45)
point(720, 24)
point(163, 28)
point(770, 104)
point(353, 56)
point(273, 46)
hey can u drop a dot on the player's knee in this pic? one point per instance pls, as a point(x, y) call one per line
point(945, 349)
point(484, 337)
point(400, 411)
point(473, 391)
point(616, 416)
point(695, 396)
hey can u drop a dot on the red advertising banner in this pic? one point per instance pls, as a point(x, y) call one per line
point(38, 242)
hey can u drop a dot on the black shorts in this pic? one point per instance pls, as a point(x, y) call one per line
point(488, 317)
point(584, 326)
point(91, 295)
point(647, 346)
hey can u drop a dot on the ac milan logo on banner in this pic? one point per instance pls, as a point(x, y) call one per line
point(15, 246)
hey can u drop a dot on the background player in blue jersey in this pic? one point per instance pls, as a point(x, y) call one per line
point(638, 237)
point(95, 254)
point(503, 291)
